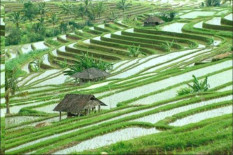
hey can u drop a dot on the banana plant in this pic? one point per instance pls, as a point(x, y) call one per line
point(16, 18)
point(86, 62)
point(123, 5)
point(201, 86)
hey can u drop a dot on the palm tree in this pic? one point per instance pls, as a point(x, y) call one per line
point(39, 27)
point(41, 8)
point(63, 27)
point(113, 16)
point(92, 12)
point(16, 18)
point(29, 11)
point(87, 4)
point(66, 8)
point(10, 86)
point(122, 5)
point(41, 20)
point(100, 8)
point(81, 11)
point(53, 20)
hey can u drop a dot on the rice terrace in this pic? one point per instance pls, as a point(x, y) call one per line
point(116, 77)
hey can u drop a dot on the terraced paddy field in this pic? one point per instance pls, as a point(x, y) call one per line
point(145, 112)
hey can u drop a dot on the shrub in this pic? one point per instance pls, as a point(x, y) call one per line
point(52, 32)
point(134, 51)
point(14, 37)
point(53, 42)
point(169, 45)
point(212, 2)
point(132, 21)
point(167, 16)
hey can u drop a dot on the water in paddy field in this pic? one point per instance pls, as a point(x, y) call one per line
point(107, 35)
point(109, 138)
point(26, 48)
point(222, 12)
point(62, 49)
point(63, 37)
point(60, 79)
point(154, 118)
point(214, 21)
point(26, 68)
point(202, 116)
point(2, 22)
point(229, 17)
point(54, 52)
point(114, 99)
point(195, 14)
point(2, 81)
point(175, 27)
point(198, 25)
point(97, 38)
point(88, 41)
point(11, 121)
point(44, 75)
point(48, 108)
point(46, 60)
point(40, 45)
point(101, 26)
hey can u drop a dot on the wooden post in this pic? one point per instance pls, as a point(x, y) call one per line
point(60, 116)
point(98, 108)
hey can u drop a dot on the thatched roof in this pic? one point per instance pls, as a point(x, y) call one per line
point(75, 103)
point(151, 19)
point(90, 74)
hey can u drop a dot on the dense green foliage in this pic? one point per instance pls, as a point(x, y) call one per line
point(212, 2)
point(36, 29)
point(86, 62)
point(167, 16)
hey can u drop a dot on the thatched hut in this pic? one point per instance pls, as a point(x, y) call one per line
point(152, 21)
point(78, 104)
point(91, 74)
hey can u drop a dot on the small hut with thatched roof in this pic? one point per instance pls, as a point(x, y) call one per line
point(78, 104)
point(91, 74)
point(152, 21)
